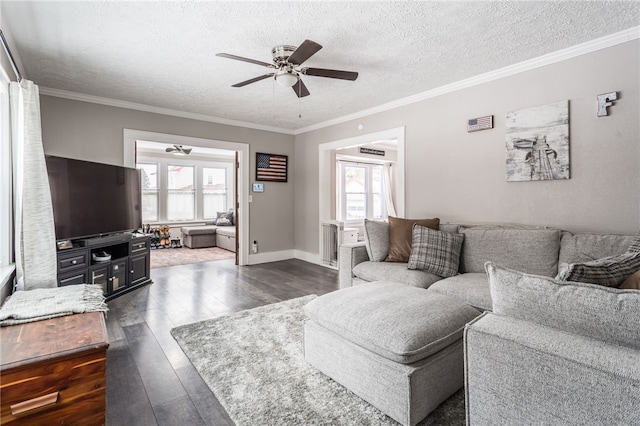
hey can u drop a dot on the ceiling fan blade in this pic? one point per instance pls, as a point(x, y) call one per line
point(321, 72)
point(240, 58)
point(300, 89)
point(253, 80)
point(306, 50)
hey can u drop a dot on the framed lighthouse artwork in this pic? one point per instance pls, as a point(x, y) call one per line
point(537, 142)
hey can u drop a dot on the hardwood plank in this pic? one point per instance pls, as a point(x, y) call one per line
point(210, 409)
point(179, 411)
point(149, 379)
point(127, 401)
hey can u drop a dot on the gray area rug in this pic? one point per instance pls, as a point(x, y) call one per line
point(253, 361)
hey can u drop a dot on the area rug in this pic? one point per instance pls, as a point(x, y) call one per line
point(184, 256)
point(253, 362)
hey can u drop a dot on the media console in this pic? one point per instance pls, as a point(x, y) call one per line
point(127, 267)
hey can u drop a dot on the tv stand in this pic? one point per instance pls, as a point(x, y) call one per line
point(104, 239)
point(127, 268)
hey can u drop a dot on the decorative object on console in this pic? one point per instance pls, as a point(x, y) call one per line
point(480, 123)
point(271, 167)
point(537, 142)
point(604, 101)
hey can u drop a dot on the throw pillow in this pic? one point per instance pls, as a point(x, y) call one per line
point(635, 244)
point(609, 271)
point(376, 238)
point(435, 251)
point(224, 219)
point(602, 313)
point(631, 283)
point(400, 236)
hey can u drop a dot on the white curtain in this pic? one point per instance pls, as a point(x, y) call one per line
point(388, 199)
point(35, 245)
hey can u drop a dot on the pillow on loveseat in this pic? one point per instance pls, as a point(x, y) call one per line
point(595, 311)
point(400, 236)
point(224, 219)
point(435, 251)
point(376, 236)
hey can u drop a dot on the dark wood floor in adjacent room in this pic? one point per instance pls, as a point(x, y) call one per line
point(149, 379)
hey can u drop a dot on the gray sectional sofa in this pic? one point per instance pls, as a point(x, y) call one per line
point(397, 340)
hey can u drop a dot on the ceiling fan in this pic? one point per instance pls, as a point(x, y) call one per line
point(179, 150)
point(286, 67)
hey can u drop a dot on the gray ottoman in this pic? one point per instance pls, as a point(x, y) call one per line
point(199, 236)
point(397, 347)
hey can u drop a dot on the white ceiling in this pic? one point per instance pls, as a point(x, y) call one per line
point(162, 54)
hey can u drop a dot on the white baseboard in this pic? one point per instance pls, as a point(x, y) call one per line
point(271, 256)
point(308, 257)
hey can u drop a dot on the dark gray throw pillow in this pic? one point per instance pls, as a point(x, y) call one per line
point(609, 271)
point(435, 251)
point(224, 219)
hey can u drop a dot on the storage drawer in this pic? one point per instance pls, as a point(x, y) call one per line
point(139, 246)
point(70, 261)
point(79, 277)
point(67, 391)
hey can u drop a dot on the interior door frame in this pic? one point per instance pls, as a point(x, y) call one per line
point(130, 136)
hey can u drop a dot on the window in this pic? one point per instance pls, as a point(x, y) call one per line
point(181, 198)
point(214, 192)
point(360, 191)
point(6, 228)
point(150, 192)
point(184, 190)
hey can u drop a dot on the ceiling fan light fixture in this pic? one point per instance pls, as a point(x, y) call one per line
point(178, 150)
point(286, 78)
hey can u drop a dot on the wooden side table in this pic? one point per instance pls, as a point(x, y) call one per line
point(53, 371)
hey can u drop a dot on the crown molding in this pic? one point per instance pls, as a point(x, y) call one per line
point(551, 58)
point(157, 110)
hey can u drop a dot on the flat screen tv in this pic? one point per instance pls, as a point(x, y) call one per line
point(93, 199)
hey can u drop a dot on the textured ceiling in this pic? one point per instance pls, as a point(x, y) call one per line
point(162, 54)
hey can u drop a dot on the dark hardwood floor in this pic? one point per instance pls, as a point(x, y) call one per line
point(149, 379)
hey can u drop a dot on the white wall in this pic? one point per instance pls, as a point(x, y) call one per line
point(461, 177)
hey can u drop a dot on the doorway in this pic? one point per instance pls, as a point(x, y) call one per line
point(241, 167)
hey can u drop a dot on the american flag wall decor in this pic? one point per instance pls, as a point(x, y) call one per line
point(271, 167)
point(480, 123)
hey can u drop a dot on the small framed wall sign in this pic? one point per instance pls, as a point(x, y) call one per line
point(480, 123)
point(258, 187)
point(271, 167)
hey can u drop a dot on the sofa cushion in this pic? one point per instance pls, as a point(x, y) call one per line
point(391, 271)
point(576, 248)
point(609, 271)
point(633, 282)
point(198, 230)
point(376, 237)
point(599, 312)
point(228, 231)
point(471, 288)
point(401, 323)
point(400, 231)
point(434, 251)
point(534, 251)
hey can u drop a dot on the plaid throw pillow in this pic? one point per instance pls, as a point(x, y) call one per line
point(435, 251)
point(635, 244)
point(609, 271)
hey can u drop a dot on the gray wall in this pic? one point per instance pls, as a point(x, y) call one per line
point(93, 132)
point(461, 177)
